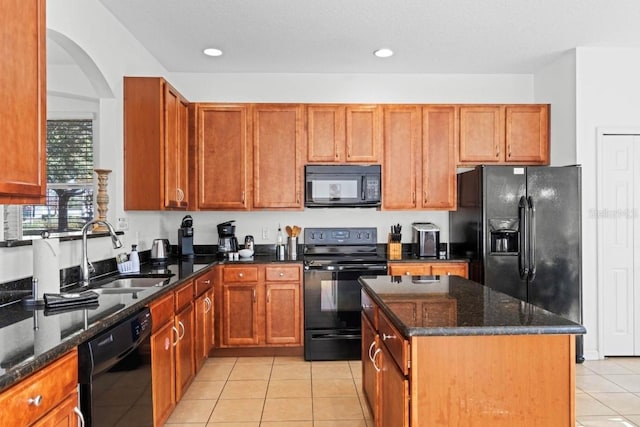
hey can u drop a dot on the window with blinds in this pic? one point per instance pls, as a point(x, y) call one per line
point(69, 201)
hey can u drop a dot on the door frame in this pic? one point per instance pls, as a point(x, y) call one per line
point(601, 133)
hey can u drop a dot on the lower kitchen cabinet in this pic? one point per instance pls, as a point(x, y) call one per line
point(259, 306)
point(370, 370)
point(394, 393)
point(429, 268)
point(185, 354)
point(163, 360)
point(47, 398)
point(203, 327)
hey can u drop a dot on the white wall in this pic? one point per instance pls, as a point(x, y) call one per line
point(116, 53)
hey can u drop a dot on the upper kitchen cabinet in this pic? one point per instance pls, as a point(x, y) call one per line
point(402, 156)
point(344, 133)
point(504, 134)
point(223, 156)
point(156, 145)
point(23, 113)
point(278, 144)
point(419, 157)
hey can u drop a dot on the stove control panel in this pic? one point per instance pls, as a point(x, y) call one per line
point(341, 236)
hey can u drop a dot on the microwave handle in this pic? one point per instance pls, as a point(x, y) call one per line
point(362, 186)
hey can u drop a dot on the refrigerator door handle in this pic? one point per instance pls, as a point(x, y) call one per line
point(523, 257)
point(532, 240)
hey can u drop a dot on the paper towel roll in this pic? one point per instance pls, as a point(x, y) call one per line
point(46, 266)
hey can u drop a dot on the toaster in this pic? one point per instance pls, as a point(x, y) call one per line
point(425, 240)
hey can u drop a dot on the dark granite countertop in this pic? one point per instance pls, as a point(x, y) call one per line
point(471, 308)
point(34, 337)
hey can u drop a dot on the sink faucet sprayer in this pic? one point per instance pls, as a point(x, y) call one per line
point(85, 265)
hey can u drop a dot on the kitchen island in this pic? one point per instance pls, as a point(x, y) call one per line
point(446, 351)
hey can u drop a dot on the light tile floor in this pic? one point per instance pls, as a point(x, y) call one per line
point(289, 392)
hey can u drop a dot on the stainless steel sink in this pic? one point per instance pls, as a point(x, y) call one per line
point(135, 282)
point(118, 291)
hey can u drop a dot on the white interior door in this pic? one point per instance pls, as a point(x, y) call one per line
point(619, 233)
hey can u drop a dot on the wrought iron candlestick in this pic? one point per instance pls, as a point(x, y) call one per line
point(103, 198)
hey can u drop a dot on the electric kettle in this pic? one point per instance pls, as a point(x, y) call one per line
point(160, 250)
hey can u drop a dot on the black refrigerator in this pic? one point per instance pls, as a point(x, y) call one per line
point(521, 229)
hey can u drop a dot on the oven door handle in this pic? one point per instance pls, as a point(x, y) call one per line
point(362, 267)
point(332, 336)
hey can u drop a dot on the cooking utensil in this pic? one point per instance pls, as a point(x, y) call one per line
point(296, 231)
point(289, 231)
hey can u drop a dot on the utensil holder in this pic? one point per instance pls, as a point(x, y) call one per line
point(292, 248)
point(394, 246)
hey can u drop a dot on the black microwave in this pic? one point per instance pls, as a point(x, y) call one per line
point(328, 186)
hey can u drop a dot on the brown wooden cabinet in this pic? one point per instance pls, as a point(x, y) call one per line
point(259, 306)
point(429, 268)
point(203, 306)
point(344, 133)
point(184, 322)
point(164, 338)
point(223, 156)
point(504, 134)
point(156, 161)
point(419, 157)
point(23, 175)
point(48, 397)
point(370, 369)
point(278, 143)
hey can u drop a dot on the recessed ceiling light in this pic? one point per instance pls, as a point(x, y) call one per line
point(211, 51)
point(383, 53)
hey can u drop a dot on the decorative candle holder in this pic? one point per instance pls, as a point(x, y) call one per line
point(102, 198)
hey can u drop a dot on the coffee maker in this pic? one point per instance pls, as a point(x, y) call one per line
point(185, 237)
point(227, 241)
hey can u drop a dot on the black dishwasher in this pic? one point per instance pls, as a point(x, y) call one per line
point(114, 372)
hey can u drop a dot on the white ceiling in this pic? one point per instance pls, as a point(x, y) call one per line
point(339, 36)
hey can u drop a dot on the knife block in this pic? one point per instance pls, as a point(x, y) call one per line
point(394, 247)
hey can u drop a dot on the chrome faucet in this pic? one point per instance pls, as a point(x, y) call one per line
point(85, 265)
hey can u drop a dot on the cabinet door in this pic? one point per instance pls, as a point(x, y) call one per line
point(163, 372)
point(363, 137)
point(283, 314)
point(201, 332)
point(185, 369)
point(450, 268)
point(439, 311)
point(64, 414)
point(223, 156)
point(240, 314)
point(277, 165)
point(481, 134)
point(370, 353)
point(325, 133)
point(402, 156)
point(23, 175)
point(394, 392)
point(439, 139)
point(176, 161)
point(527, 134)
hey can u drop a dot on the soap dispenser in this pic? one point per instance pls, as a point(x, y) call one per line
point(135, 259)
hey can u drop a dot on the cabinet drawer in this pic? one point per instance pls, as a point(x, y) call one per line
point(450, 268)
point(203, 283)
point(409, 269)
point(370, 309)
point(49, 387)
point(395, 343)
point(184, 295)
point(161, 311)
point(240, 274)
point(282, 273)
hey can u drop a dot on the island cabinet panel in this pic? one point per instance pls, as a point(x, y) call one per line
point(48, 396)
point(402, 157)
point(504, 134)
point(394, 389)
point(506, 373)
point(223, 156)
point(278, 143)
point(156, 145)
point(23, 114)
point(370, 369)
point(344, 133)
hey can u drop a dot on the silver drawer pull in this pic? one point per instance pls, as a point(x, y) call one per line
point(371, 348)
point(373, 360)
point(367, 306)
point(407, 273)
point(388, 337)
point(35, 401)
point(240, 274)
point(281, 274)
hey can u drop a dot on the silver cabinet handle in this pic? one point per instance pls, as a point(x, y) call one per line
point(407, 273)
point(367, 306)
point(371, 348)
point(35, 401)
point(180, 194)
point(207, 282)
point(373, 360)
point(80, 416)
point(240, 274)
point(281, 274)
point(176, 335)
point(208, 303)
point(183, 330)
point(388, 337)
point(269, 296)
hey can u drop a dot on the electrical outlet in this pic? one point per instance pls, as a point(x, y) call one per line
point(265, 233)
point(123, 224)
